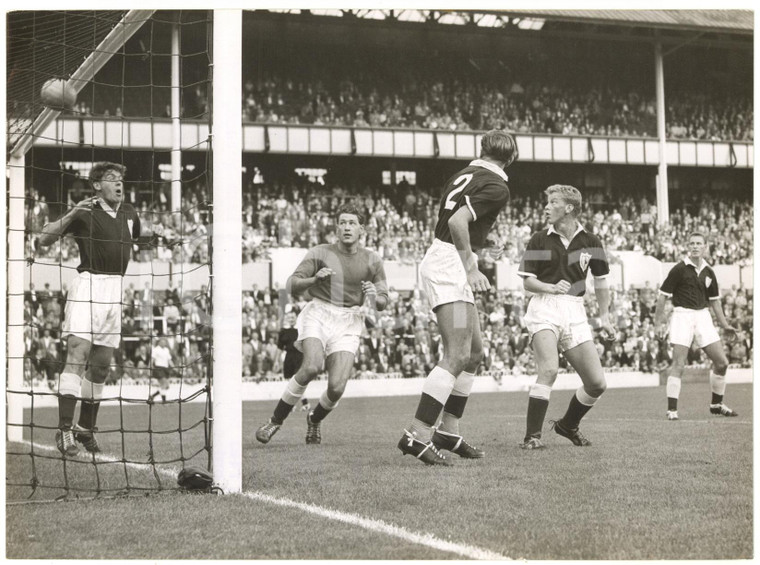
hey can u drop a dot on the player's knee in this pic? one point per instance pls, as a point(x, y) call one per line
point(596, 388)
point(335, 391)
point(547, 375)
point(98, 373)
point(676, 369)
point(720, 366)
point(309, 371)
point(76, 355)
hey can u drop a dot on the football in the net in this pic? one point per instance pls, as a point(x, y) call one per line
point(58, 95)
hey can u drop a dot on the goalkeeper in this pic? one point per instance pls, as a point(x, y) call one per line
point(105, 229)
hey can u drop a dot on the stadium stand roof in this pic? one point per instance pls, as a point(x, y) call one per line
point(734, 21)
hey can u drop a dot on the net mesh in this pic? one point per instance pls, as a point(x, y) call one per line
point(151, 421)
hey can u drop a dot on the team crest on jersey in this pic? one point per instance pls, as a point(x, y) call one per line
point(584, 259)
point(708, 282)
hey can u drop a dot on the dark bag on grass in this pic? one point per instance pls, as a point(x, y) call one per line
point(195, 478)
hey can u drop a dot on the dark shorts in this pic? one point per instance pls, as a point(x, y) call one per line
point(161, 373)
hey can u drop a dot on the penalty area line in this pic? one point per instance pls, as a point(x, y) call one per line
point(427, 540)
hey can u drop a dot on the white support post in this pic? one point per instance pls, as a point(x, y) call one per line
point(176, 201)
point(663, 207)
point(15, 366)
point(226, 261)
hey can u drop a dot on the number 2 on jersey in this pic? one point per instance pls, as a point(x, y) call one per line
point(464, 180)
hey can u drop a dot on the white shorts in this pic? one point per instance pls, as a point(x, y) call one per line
point(444, 279)
point(93, 309)
point(338, 328)
point(687, 326)
point(562, 314)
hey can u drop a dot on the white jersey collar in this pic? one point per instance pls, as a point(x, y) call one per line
point(578, 229)
point(699, 267)
point(491, 167)
point(106, 208)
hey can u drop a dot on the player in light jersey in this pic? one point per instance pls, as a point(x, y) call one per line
point(554, 267)
point(693, 287)
point(343, 279)
point(470, 204)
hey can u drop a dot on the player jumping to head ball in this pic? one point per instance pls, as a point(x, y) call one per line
point(471, 202)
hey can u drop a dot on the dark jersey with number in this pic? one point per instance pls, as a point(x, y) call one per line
point(689, 287)
point(482, 187)
point(547, 258)
point(105, 242)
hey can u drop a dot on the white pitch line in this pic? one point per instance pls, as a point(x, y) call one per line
point(427, 540)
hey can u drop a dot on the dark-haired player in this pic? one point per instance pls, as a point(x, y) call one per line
point(105, 228)
point(470, 203)
point(554, 268)
point(693, 287)
point(342, 278)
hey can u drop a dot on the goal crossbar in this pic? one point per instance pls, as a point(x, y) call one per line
point(115, 40)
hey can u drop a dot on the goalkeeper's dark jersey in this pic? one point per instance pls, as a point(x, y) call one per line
point(105, 238)
point(482, 187)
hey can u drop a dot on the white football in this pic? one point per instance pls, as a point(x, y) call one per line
point(57, 94)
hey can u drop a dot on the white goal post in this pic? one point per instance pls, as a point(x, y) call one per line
point(226, 284)
point(226, 141)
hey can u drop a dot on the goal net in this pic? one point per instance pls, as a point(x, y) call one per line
point(143, 100)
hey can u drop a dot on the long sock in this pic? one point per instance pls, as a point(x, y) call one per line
point(426, 417)
point(455, 404)
point(538, 403)
point(718, 387)
point(324, 407)
point(673, 390)
point(69, 388)
point(88, 414)
point(580, 404)
point(292, 394)
point(281, 411)
point(92, 393)
point(435, 392)
point(67, 405)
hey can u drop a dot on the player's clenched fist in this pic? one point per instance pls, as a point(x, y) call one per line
point(561, 287)
point(368, 288)
point(324, 273)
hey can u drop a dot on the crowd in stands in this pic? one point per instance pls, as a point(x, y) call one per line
point(519, 106)
point(404, 342)
point(148, 316)
point(401, 222)
point(399, 226)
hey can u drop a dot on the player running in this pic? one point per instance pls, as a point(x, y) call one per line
point(343, 278)
point(554, 268)
point(471, 202)
point(692, 285)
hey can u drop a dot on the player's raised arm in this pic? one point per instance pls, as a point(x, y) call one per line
point(52, 231)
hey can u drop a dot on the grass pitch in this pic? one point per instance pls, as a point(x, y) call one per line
point(646, 489)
